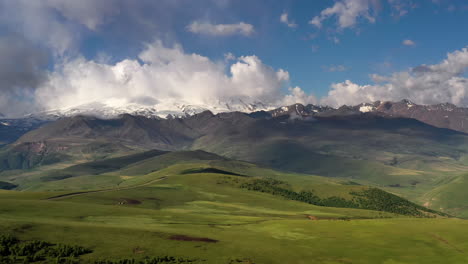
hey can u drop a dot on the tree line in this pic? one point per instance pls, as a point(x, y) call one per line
point(371, 198)
point(14, 251)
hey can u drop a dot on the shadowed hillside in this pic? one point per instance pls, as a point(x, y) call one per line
point(406, 155)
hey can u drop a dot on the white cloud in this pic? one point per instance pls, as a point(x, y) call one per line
point(408, 42)
point(425, 84)
point(167, 74)
point(206, 28)
point(284, 18)
point(316, 21)
point(347, 13)
point(297, 95)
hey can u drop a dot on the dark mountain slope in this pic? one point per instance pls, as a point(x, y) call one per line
point(93, 138)
point(362, 137)
point(440, 115)
point(12, 129)
point(282, 141)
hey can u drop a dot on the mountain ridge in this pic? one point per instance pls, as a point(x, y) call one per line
point(443, 115)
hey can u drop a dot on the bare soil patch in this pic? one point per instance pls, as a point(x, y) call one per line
point(189, 238)
point(129, 201)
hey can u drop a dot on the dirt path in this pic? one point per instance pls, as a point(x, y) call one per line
point(73, 194)
point(446, 242)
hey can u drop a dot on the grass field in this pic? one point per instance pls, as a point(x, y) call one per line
point(130, 213)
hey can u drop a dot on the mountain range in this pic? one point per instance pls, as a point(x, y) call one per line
point(440, 115)
point(402, 147)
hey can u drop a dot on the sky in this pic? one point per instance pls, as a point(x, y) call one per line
point(59, 53)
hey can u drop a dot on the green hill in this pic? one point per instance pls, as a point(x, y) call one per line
point(133, 170)
point(450, 196)
point(201, 211)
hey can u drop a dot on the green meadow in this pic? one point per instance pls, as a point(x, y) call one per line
point(190, 210)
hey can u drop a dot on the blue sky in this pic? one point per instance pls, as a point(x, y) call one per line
point(349, 40)
point(305, 51)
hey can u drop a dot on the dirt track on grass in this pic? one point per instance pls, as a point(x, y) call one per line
point(441, 239)
point(73, 194)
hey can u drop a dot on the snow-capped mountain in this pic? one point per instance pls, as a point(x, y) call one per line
point(444, 115)
point(439, 115)
point(299, 110)
point(170, 109)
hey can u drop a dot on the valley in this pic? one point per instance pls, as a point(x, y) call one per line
point(244, 185)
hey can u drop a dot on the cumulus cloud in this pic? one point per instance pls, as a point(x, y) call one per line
point(206, 28)
point(347, 13)
point(284, 18)
point(297, 95)
point(408, 42)
point(164, 74)
point(425, 84)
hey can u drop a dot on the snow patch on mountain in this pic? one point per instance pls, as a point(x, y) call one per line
point(366, 108)
point(167, 109)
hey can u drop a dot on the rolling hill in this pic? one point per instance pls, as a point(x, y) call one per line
point(192, 205)
point(401, 155)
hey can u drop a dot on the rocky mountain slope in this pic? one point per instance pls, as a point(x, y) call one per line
point(440, 115)
point(12, 129)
